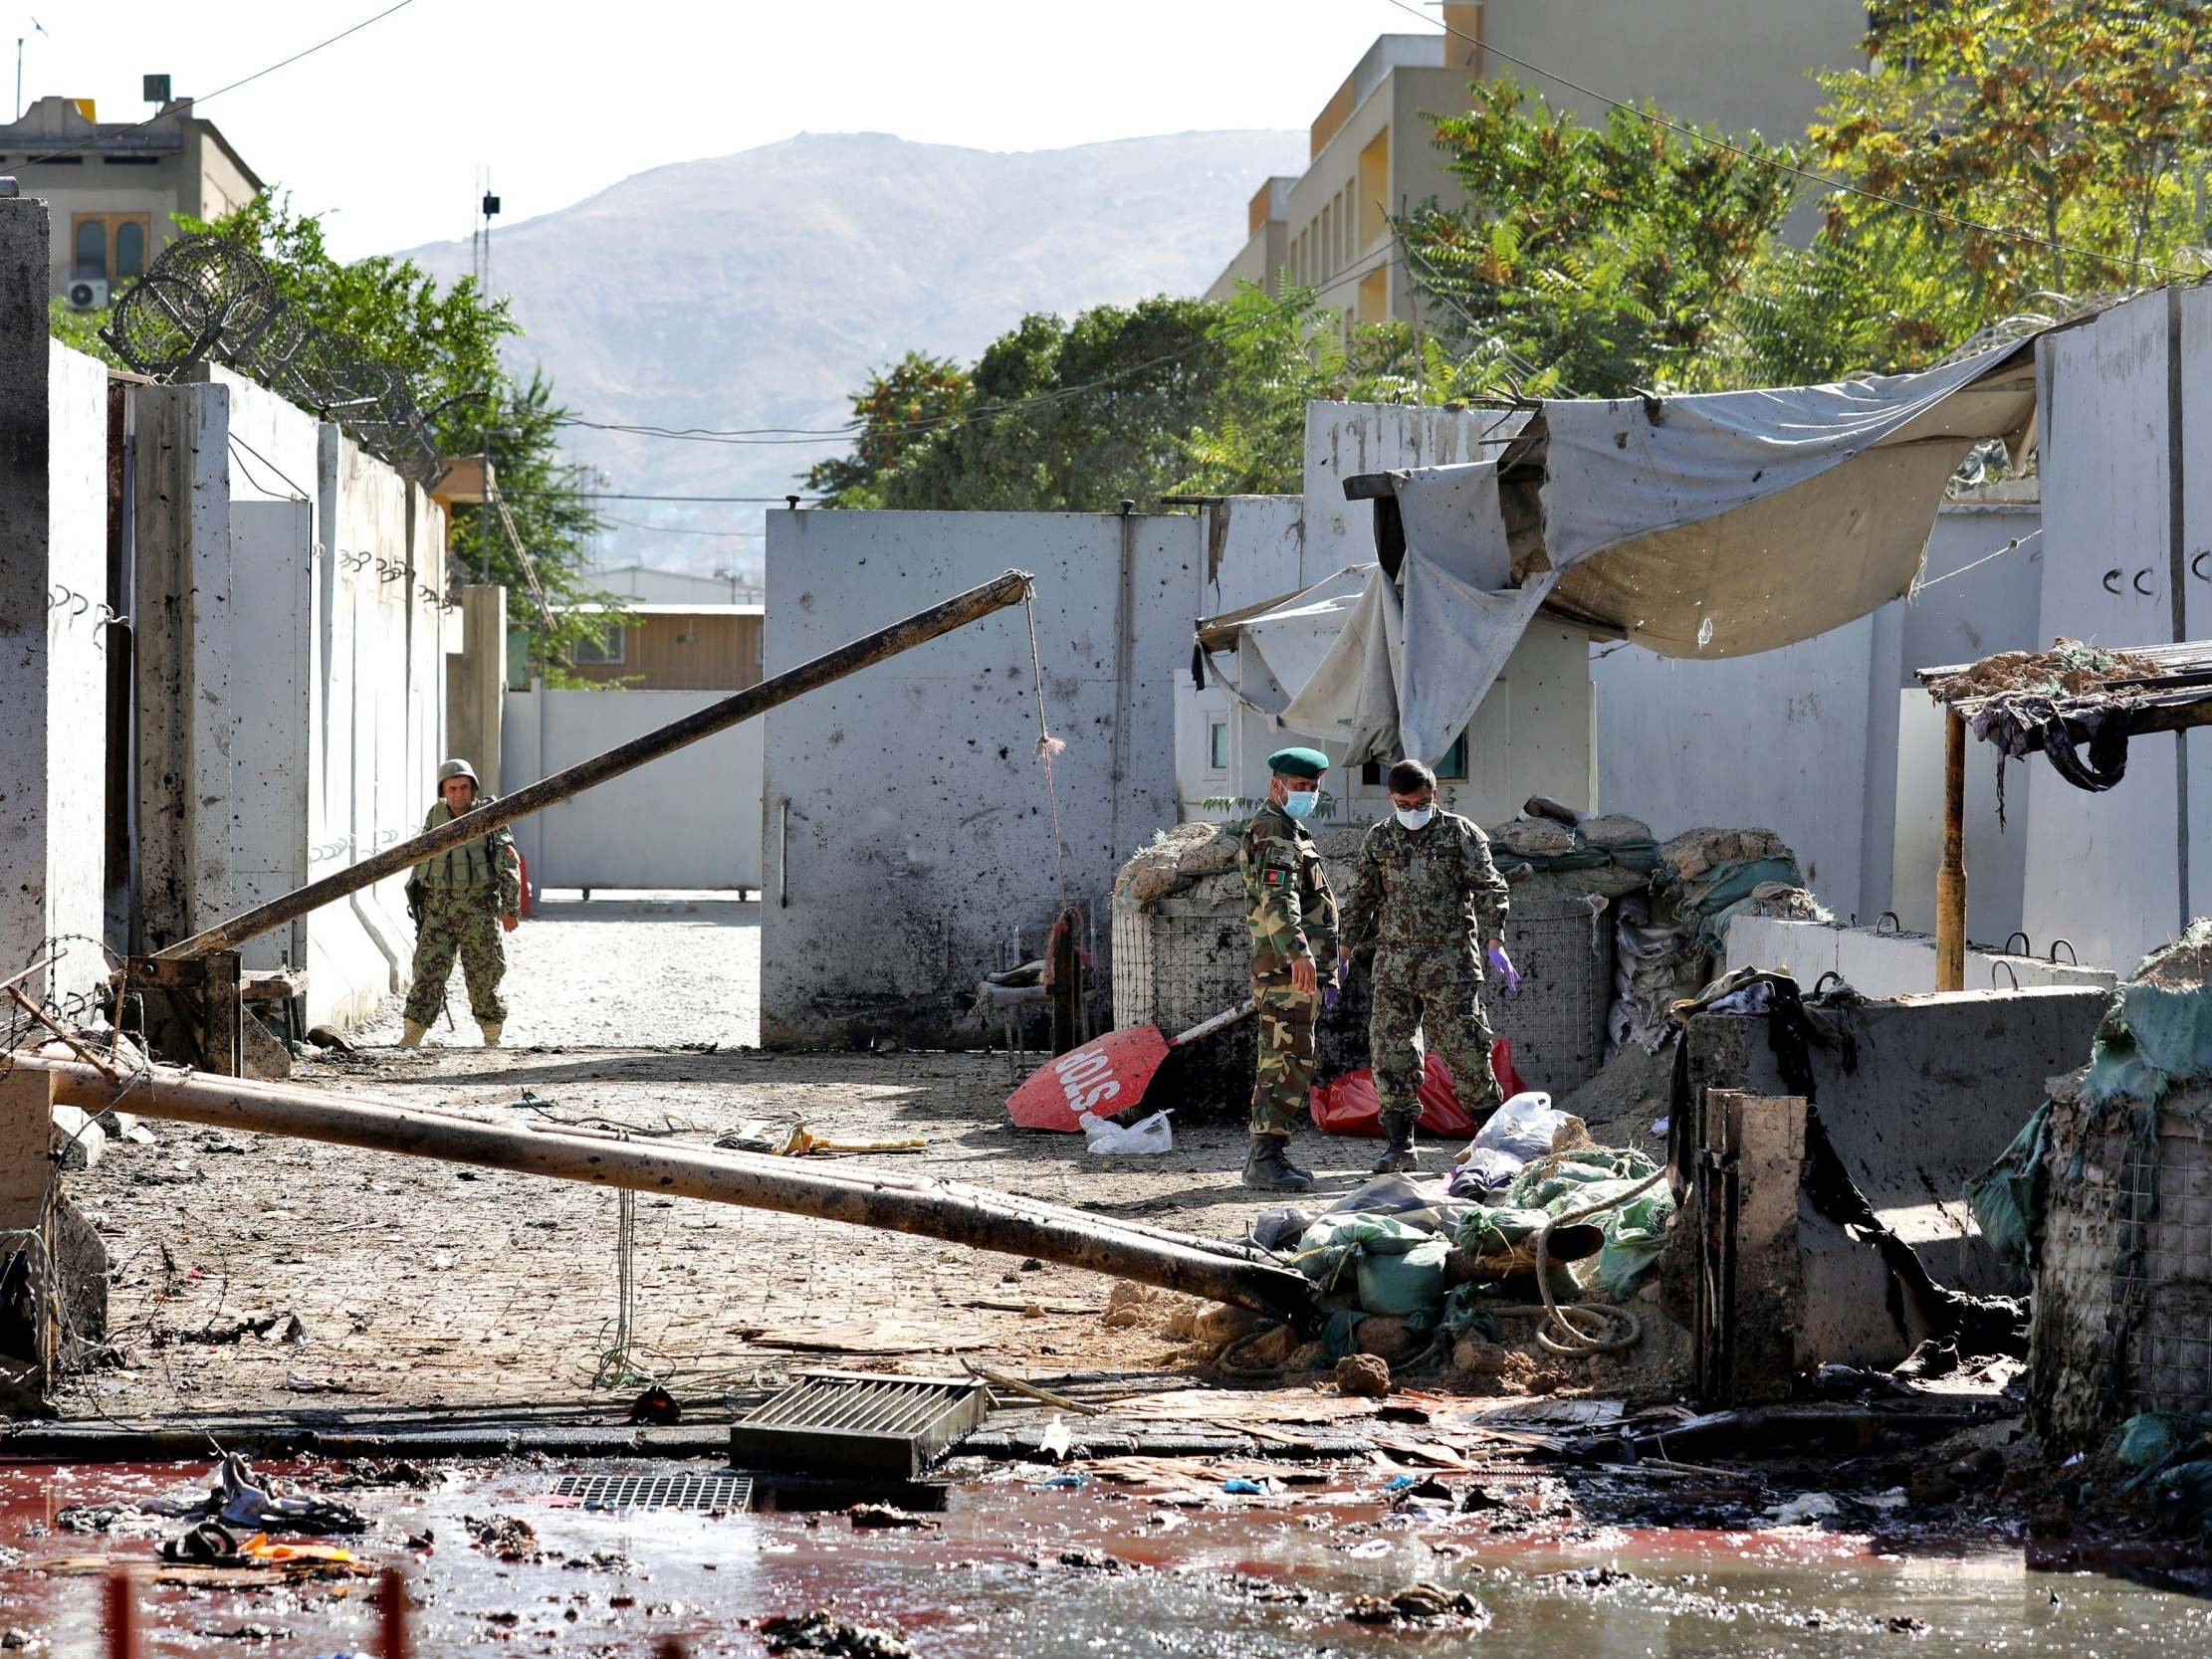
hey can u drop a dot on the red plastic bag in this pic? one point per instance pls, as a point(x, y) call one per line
point(1347, 1105)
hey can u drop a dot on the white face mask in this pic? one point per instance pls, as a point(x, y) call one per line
point(1414, 817)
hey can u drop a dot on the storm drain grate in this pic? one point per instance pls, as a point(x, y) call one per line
point(729, 1494)
point(838, 1421)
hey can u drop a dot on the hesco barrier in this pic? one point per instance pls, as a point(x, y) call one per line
point(1187, 956)
point(2124, 1286)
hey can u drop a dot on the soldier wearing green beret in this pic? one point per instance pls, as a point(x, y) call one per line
point(1293, 918)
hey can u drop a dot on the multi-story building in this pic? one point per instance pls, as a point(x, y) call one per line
point(116, 187)
point(1744, 65)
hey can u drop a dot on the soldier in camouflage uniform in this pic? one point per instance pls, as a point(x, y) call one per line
point(462, 900)
point(1293, 920)
point(1426, 901)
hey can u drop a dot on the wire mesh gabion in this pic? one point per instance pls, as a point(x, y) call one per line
point(207, 299)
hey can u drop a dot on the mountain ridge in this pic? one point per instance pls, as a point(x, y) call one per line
point(759, 288)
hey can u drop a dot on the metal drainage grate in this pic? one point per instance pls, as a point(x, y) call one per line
point(728, 1493)
point(843, 1422)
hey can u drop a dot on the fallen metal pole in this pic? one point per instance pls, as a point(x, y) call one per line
point(923, 626)
point(954, 1212)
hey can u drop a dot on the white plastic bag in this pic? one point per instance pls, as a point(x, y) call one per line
point(1147, 1135)
point(1523, 1126)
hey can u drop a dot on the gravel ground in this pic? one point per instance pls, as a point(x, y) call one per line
point(420, 1283)
point(645, 970)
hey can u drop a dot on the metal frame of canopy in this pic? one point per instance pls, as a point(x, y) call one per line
point(2178, 698)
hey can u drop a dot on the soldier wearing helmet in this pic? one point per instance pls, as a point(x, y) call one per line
point(463, 900)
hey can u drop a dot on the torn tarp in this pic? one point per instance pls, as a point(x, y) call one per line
point(1711, 526)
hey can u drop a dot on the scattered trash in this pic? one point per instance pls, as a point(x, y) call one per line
point(1417, 1603)
point(820, 1631)
point(1243, 1487)
point(887, 1518)
point(1111, 1139)
point(508, 1537)
point(1074, 1482)
point(1804, 1509)
point(656, 1406)
point(240, 1502)
point(1093, 1560)
point(1523, 1127)
point(1056, 1442)
point(762, 1135)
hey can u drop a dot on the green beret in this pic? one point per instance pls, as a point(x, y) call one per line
point(1298, 762)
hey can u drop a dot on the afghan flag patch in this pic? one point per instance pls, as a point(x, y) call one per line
point(1274, 875)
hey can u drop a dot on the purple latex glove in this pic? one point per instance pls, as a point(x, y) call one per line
point(1335, 987)
point(1503, 965)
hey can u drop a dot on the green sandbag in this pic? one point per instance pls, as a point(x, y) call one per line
point(1407, 1282)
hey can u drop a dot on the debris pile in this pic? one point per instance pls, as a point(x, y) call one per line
point(2069, 669)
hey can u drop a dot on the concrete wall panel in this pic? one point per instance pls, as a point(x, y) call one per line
point(2104, 868)
point(909, 796)
point(689, 820)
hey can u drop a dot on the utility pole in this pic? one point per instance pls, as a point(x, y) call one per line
point(37, 28)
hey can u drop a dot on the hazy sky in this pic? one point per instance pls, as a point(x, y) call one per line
point(386, 129)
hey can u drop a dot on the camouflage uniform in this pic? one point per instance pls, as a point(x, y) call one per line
point(1292, 914)
point(468, 888)
point(1424, 900)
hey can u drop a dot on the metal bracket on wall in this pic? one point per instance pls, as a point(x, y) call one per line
point(205, 993)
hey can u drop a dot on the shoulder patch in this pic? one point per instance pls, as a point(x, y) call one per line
point(1274, 874)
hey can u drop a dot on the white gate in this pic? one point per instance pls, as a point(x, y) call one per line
point(691, 819)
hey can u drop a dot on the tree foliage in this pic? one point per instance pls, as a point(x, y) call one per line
point(1125, 403)
point(2066, 139)
point(445, 339)
point(1603, 259)
point(897, 408)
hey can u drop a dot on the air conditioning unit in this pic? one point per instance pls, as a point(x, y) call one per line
point(85, 294)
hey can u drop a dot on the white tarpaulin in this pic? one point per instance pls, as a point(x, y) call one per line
point(1707, 525)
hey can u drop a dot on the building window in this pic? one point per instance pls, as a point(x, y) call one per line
point(108, 247)
point(1453, 768)
point(130, 251)
point(613, 647)
point(91, 256)
point(1216, 745)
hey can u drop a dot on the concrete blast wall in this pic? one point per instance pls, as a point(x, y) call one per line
point(53, 662)
point(2127, 403)
point(291, 677)
point(1920, 1095)
point(691, 819)
point(908, 837)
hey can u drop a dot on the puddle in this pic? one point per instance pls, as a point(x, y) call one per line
point(984, 1579)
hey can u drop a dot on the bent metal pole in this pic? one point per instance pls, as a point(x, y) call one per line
point(886, 1199)
point(942, 618)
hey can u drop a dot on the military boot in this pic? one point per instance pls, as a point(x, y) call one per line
point(492, 1029)
point(412, 1033)
point(1267, 1167)
point(1398, 1154)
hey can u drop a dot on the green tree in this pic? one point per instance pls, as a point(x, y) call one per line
point(896, 409)
point(446, 341)
point(2066, 141)
point(1279, 355)
point(1071, 417)
point(1601, 259)
point(79, 331)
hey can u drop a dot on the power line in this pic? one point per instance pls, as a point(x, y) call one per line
point(618, 496)
point(232, 86)
point(1820, 179)
point(672, 529)
point(935, 423)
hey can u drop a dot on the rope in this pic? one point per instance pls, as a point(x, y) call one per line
point(614, 1365)
point(1611, 1329)
point(2017, 541)
point(1047, 745)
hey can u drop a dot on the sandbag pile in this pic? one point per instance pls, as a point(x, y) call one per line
point(1613, 855)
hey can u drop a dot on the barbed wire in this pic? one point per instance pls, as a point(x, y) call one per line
point(208, 298)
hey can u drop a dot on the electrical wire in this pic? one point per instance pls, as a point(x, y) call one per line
point(740, 436)
point(1824, 182)
point(232, 86)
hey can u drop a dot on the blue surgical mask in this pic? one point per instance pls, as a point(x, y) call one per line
point(1299, 804)
point(1414, 817)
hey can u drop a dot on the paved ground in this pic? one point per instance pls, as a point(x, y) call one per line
point(418, 1282)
